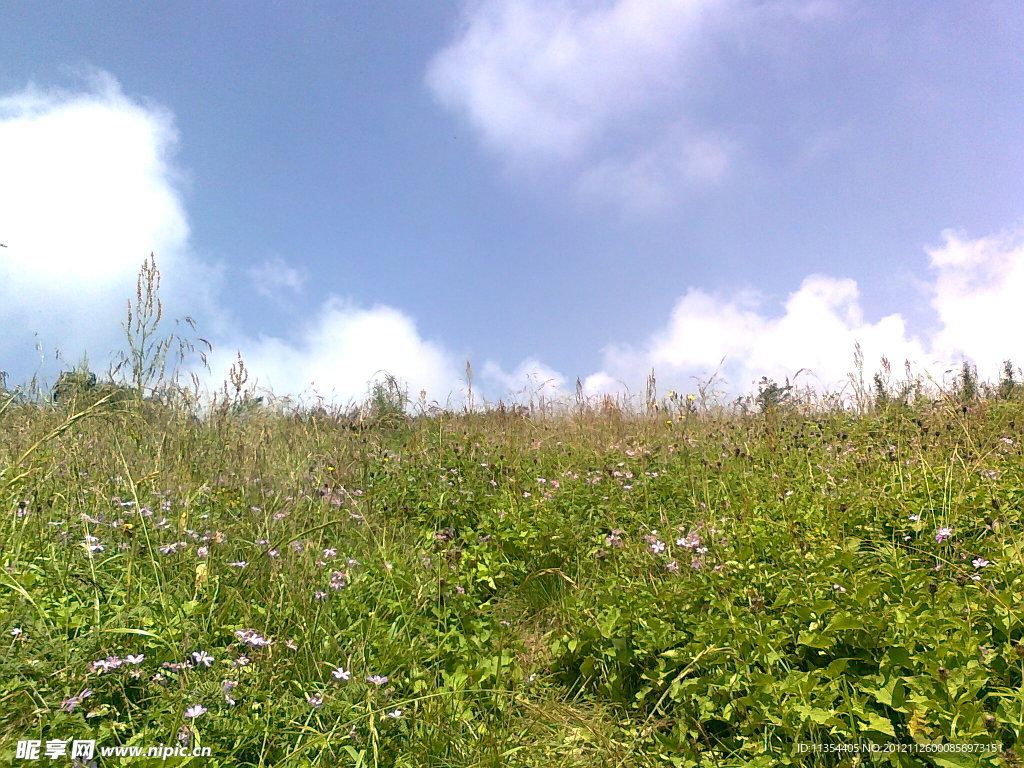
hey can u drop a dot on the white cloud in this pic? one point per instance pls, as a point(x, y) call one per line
point(975, 290)
point(604, 89)
point(343, 349)
point(531, 379)
point(548, 78)
point(87, 192)
point(817, 330)
point(275, 277)
point(649, 180)
point(977, 297)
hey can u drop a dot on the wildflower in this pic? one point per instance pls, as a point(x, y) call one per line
point(16, 631)
point(273, 554)
point(838, 588)
point(330, 552)
point(107, 664)
point(344, 675)
point(377, 680)
point(202, 552)
point(291, 645)
point(320, 595)
point(339, 579)
point(980, 562)
point(657, 547)
point(252, 638)
point(316, 700)
point(913, 518)
point(395, 714)
point(238, 564)
point(203, 658)
point(226, 687)
point(690, 541)
point(614, 539)
point(942, 534)
point(672, 566)
point(134, 659)
point(70, 703)
point(196, 710)
point(241, 661)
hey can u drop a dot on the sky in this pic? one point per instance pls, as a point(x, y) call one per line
point(551, 190)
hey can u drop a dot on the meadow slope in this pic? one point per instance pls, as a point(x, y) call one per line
point(674, 588)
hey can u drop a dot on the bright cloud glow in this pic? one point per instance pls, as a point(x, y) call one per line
point(86, 193)
point(87, 190)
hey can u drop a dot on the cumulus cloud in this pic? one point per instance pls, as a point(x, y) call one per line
point(342, 350)
point(739, 338)
point(975, 292)
point(603, 89)
point(977, 297)
point(88, 191)
point(89, 188)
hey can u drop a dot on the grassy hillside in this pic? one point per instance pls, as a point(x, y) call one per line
point(499, 589)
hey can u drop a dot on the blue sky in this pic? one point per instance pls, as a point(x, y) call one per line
point(551, 189)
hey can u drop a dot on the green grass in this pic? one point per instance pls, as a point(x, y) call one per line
point(506, 573)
